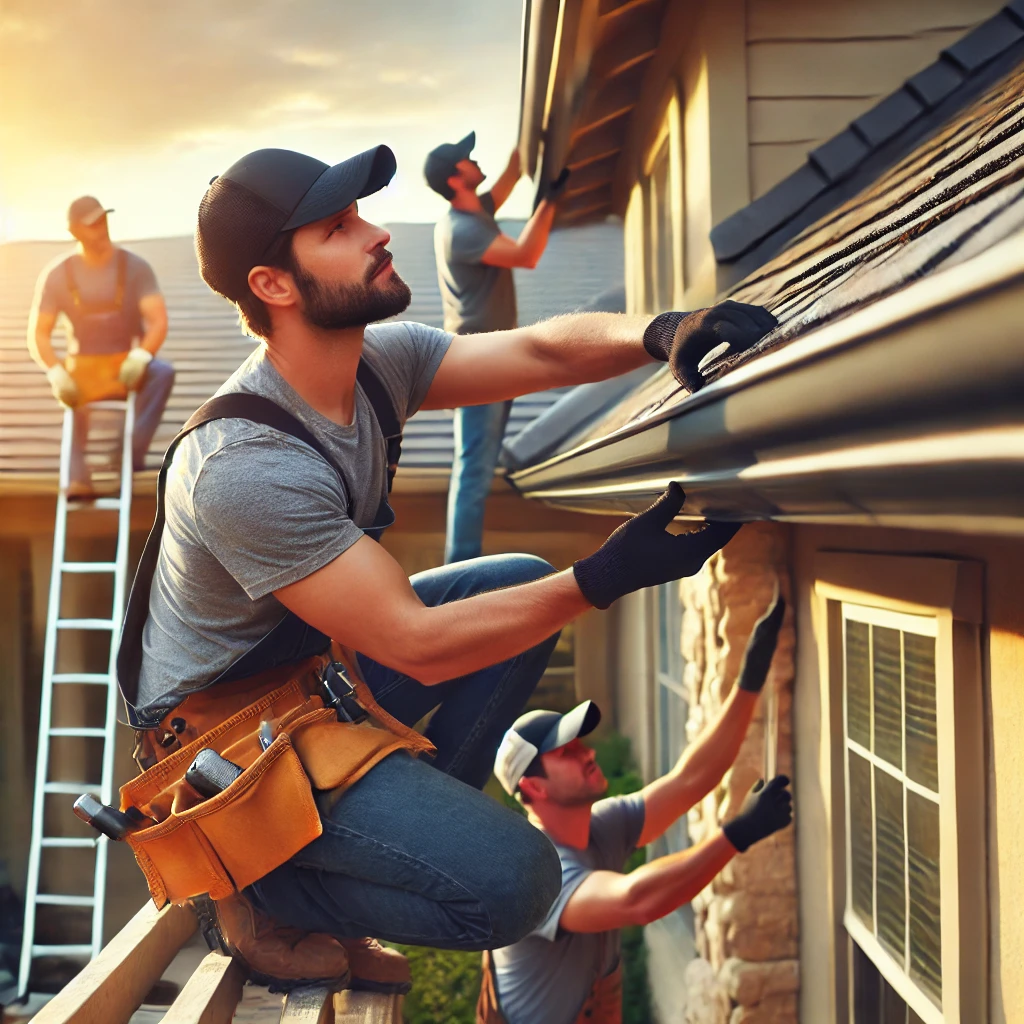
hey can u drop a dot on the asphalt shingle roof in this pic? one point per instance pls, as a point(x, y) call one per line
point(206, 345)
point(874, 142)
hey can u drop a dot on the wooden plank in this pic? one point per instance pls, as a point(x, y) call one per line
point(211, 994)
point(770, 164)
point(806, 118)
point(110, 987)
point(367, 1008)
point(840, 67)
point(309, 1005)
point(811, 19)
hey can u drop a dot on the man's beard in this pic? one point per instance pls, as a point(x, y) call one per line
point(333, 307)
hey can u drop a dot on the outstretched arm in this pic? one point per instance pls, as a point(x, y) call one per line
point(606, 899)
point(572, 349)
point(502, 188)
point(526, 250)
point(705, 761)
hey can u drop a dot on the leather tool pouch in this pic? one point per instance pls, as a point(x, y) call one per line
point(96, 377)
point(268, 813)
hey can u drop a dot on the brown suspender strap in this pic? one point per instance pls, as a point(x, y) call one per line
point(99, 307)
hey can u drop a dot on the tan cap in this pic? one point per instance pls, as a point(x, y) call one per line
point(86, 210)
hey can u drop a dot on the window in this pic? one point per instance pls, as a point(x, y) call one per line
point(663, 211)
point(893, 905)
point(903, 714)
point(662, 255)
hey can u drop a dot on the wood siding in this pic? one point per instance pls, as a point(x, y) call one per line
point(812, 68)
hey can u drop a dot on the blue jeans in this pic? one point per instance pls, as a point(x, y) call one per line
point(479, 431)
point(413, 852)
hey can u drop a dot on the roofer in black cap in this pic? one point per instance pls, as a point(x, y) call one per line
point(265, 554)
point(474, 271)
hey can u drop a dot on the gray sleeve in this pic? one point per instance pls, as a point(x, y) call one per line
point(406, 356)
point(573, 874)
point(50, 291)
point(615, 827)
point(471, 238)
point(143, 279)
point(271, 512)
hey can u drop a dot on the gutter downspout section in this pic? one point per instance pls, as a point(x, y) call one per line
point(540, 25)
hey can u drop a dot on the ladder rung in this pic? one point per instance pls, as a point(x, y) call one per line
point(66, 843)
point(71, 788)
point(53, 900)
point(88, 567)
point(110, 404)
point(76, 950)
point(92, 504)
point(86, 624)
point(99, 678)
point(77, 731)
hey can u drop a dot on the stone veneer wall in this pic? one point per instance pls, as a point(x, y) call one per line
point(747, 971)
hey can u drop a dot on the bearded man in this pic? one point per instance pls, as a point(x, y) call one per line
point(263, 530)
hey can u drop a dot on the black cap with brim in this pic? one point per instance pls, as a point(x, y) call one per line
point(271, 191)
point(441, 163)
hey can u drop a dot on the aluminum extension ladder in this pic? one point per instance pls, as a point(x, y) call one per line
point(103, 787)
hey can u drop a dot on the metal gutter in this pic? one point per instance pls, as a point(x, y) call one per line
point(911, 407)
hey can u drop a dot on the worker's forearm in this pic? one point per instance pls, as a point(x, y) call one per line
point(663, 885)
point(710, 756)
point(584, 347)
point(534, 236)
point(154, 336)
point(40, 347)
point(450, 640)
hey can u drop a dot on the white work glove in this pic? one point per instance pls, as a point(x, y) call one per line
point(133, 369)
point(62, 384)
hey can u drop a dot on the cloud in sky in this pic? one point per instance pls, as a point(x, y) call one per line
point(142, 103)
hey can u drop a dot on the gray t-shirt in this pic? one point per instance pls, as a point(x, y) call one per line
point(250, 510)
point(95, 318)
point(476, 297)
point(546, 977)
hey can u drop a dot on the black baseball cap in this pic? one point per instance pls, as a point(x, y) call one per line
point(440, 165)
point(86, 210)
point(271, 191)
point(540, 732)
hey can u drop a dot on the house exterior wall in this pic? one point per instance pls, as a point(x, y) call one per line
point(1002, 659)
point(743, 90)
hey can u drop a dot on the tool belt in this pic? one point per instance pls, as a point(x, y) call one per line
point(269, 813)
point(603, 1004)
point(96, 377)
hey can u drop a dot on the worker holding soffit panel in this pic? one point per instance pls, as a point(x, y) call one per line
point(267, 626)
point(567, 970)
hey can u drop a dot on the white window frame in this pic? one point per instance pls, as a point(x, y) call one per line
point(923, 593)
point(898, 977)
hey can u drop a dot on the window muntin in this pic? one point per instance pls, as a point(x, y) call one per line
point(893, 908)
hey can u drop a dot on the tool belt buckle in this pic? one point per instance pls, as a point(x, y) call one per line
point(339, 693)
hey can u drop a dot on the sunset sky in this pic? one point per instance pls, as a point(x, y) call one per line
point(141, 103)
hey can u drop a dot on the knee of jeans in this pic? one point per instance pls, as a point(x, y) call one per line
point(523, 568)
point(523, 903)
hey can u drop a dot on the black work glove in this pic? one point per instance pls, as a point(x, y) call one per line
point(641, 554)
point(557, 186)
point(757, 658)
point(767, 809)
point(683, 339)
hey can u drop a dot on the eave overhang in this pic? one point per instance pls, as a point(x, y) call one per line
point(909, 412)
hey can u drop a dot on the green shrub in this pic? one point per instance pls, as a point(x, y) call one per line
point(445, 983)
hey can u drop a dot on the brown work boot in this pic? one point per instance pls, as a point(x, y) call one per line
point(377, 968)
point(273, 955)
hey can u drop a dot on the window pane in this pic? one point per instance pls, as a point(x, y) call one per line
point(888, 698)
point(861, 869)
point(922, 744)
point(890, 858)
point(858, 684)
point(925, 917)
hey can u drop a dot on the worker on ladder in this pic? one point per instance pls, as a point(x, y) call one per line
point(111, 300)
